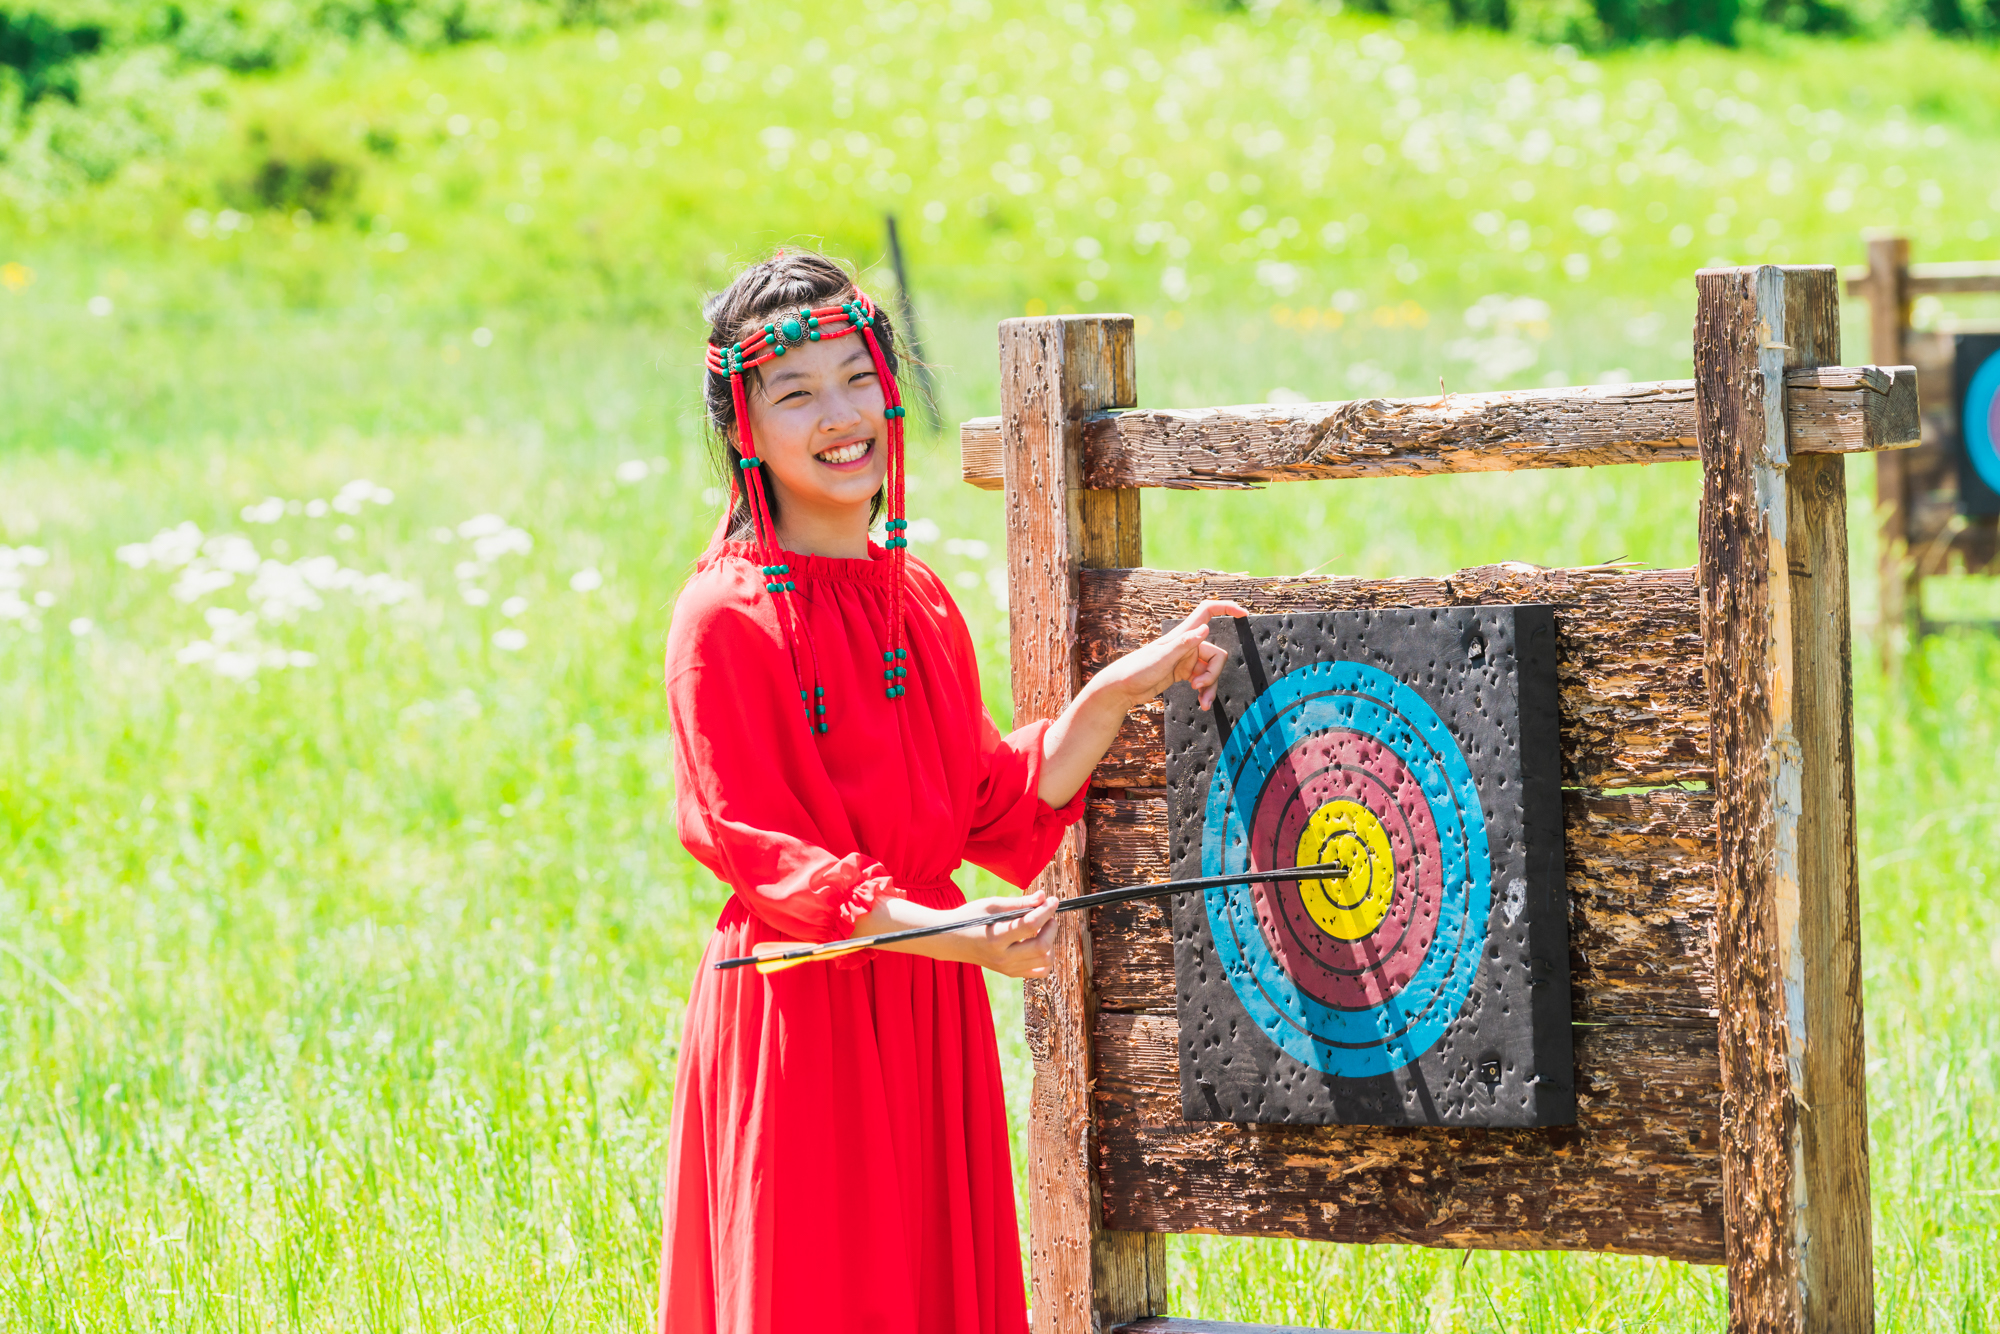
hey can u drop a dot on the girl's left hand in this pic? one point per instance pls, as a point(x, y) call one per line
point(1181, 654)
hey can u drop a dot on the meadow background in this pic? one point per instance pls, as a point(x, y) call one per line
point(350, 461)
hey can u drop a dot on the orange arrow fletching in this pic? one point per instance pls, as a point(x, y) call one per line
point(769, 955)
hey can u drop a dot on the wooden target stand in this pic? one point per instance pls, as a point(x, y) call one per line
point(1923, 535)
point(1707, 743)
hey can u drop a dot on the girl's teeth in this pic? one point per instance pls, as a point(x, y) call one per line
point(846, 453)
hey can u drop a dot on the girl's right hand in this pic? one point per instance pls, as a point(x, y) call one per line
point(1020, 948)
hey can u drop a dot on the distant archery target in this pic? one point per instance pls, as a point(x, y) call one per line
point(1341, 762)
point(1979, 422)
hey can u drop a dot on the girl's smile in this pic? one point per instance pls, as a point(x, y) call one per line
point(847, 457)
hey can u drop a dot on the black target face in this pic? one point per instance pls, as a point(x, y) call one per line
point(1430, 983)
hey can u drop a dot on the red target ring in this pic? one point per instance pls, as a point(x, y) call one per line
point(1344, 770)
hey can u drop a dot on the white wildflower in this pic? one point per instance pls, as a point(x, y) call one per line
point(510, 639)
point(508, 540)
point(631, 470)
point(383, 590)
point(232, 553)
point(475, 597)
point(268, 510)
point(359, 492)
point(170, 548)
point(586, 580)
point(514, 606)
point(200, 579)
point(81, 626)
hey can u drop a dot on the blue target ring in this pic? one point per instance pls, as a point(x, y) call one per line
point(1982, 396)
point(1350, 698)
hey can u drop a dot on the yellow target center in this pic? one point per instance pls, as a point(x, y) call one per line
point(1348, 832)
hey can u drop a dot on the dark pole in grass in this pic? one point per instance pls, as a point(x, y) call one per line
point(907, 314)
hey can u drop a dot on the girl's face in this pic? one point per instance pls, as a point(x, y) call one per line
point(816, 413)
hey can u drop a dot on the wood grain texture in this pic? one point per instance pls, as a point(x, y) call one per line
point(1053, 372)
point(1852, 409)
point(1638, 1173)
point(1235, 447)
point(1628, 648)
point(1839, 1264)
point(1798, 1256)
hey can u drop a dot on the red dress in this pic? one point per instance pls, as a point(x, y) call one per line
point(838, 1159)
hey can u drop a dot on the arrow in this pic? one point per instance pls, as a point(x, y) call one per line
point(774, 956)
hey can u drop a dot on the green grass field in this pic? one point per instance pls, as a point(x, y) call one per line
point(344, 994)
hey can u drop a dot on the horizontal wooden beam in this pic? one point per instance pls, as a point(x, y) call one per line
point(1977, 275)
point(1837, 410)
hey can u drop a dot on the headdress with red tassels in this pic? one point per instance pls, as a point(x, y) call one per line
point(788, 331)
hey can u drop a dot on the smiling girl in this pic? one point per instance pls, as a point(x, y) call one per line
point(838, 1158)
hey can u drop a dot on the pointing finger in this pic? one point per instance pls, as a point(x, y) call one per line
point(1210, 609)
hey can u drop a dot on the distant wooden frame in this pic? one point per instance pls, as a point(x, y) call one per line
point(1707, 748)
point(1916, 493)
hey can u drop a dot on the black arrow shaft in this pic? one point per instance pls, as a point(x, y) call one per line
point(1122, 894)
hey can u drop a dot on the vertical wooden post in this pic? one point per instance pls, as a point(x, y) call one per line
point(1054, 371)
point(1899, 589)
point(1776, 640)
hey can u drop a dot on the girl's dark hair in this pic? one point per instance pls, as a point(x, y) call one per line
point(784, 282)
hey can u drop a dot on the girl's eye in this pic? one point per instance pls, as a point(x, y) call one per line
point(796, 393)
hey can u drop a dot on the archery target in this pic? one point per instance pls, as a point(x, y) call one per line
point(1356, 977)
point(1419, 749)
point(1977, 363)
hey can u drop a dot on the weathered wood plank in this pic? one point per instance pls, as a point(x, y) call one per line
point(1773, 544)
point(1638, 1173)
point(1634, 707)
point(1244, 446)
point(1053, 372)
point(1852, 409)
point(1641, 878)
point(1965, 275)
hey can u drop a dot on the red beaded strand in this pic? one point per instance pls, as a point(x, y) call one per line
point(768, 345)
